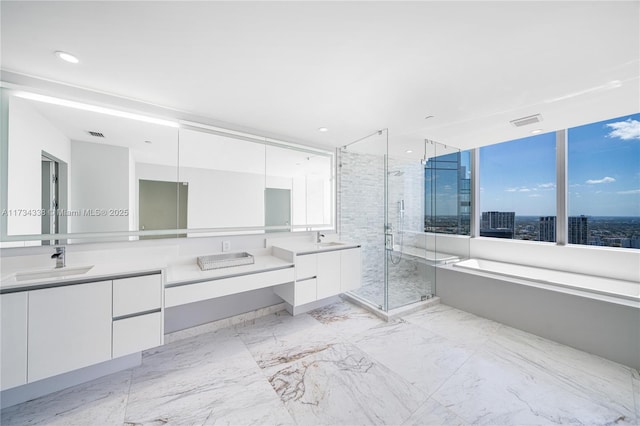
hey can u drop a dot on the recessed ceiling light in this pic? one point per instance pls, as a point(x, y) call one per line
point(408, 151)
point(323, 129)
point(536, 131)
point(67, 57)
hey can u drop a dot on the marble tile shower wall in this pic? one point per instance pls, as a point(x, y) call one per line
point(361, 212)
point(361, 218)
point(408, 187)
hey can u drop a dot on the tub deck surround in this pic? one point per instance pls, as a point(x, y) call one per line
point(426, 256)
point(607, 289)
point(333, 366)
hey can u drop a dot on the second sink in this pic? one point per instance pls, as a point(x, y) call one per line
point(52, 273)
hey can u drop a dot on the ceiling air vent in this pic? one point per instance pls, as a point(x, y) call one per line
point(96, 134)
point(524, 121)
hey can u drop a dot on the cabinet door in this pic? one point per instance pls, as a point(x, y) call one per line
point(69, 328)
point(13, 345)
point(328, 274)
point(351, 270)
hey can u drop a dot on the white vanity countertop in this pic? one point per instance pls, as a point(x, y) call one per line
point(188, 271)
point(311, 247)
point(96, 273)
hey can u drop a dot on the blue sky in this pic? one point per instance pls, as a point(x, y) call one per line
point(603, 173)
point(604, 168)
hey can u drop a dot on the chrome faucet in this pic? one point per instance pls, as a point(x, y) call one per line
point(61, 261)
point(319, 237)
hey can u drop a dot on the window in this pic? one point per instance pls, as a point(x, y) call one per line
point(604, 183)
point(518, 189)
point(448, 194)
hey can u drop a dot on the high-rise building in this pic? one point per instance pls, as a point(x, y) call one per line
point(448, 168)
point(464, 199)
point(547, 228)
point(578, 230)
point(498, 224)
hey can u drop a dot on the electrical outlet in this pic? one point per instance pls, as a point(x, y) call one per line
point(226, 245)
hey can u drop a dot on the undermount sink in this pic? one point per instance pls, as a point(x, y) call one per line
point(52, 273)
point(329, 244)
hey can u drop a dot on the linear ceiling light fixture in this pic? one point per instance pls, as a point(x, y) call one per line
point(95, 108)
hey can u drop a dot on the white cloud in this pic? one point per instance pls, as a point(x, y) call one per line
point(630, 192)
point(605, 179)
point(518, 189)
point(549, 185)
point(625, 130)
point(535, 195)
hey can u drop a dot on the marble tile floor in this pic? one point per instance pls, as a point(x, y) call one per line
point(341, 365)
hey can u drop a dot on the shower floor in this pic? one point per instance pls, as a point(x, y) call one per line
point(400, 293)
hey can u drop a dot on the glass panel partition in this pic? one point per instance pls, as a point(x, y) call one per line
point(394, 199)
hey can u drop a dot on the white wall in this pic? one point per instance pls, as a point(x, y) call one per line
point(223, 198)
point(602, 261)
point(216, 198)
point(30, 134)
point(99, 180)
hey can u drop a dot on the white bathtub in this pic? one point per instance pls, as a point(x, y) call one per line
point(595, 314)
point(588, 283)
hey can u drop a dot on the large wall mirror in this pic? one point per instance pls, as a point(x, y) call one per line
point(243, 184)
point(77, 174)
point(70, 170)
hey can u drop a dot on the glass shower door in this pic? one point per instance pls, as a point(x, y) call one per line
point(361, 211)
point(406, 280)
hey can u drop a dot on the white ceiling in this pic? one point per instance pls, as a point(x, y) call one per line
point(287, 68)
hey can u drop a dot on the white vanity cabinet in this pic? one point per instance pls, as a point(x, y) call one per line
point(322, 274)
point(69, 328)
point(57, 329)
point(13, 343)
point(137, 314)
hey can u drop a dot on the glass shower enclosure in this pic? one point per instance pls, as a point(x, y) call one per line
point(391, 200)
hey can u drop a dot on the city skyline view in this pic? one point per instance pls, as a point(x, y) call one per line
point(603, 172)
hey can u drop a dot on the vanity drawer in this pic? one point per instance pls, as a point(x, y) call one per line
point(135, 334)
point(137, 294)
point(306, 266)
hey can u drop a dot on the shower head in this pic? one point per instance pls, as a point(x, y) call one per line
point(395, 173)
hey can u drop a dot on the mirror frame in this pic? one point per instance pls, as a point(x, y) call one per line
point(11, 241)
